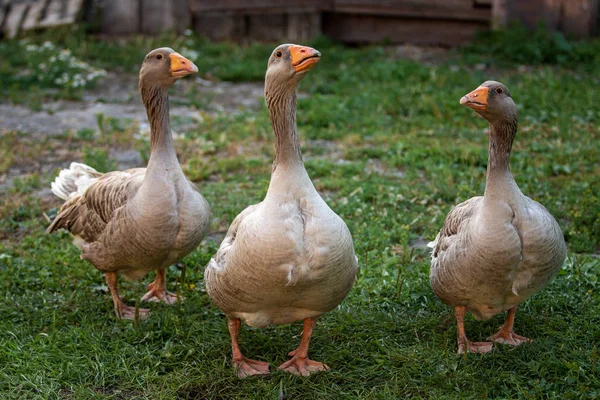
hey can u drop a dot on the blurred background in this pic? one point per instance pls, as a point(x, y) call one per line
point(431, 22)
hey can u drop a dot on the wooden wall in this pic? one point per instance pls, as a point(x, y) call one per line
point(446, 22)
point(578, 18)
point(266, 20)
point(432, 22)
point(22, 15)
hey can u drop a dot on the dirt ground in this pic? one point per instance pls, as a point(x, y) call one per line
point(117, 97)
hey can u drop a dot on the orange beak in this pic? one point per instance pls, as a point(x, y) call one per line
point(304, 58)
point(181, 66)
point(477, 99)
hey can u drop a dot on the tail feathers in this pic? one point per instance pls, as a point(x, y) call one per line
point(74, 180)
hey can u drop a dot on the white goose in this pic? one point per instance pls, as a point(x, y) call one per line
point(142, 219)
point(289, 257)
point(496, 250)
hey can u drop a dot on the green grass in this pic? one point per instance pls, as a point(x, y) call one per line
point(410, 153)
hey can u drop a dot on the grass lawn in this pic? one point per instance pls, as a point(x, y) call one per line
point(390, 149)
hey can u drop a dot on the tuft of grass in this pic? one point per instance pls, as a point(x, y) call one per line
point(390, 149)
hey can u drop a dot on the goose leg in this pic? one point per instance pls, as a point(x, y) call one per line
point(122, 310)
point(506, 335)
point(300, 364)
point(157, 290)
point(243, 366)
point(463, 343)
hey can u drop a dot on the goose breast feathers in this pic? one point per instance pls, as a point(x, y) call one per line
point(284, 259)
point(492, 257)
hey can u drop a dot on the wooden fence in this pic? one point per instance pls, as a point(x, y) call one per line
point(438, 22)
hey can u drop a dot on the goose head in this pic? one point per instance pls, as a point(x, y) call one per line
point(164, 66)
point(289, 63)
point(492, 101)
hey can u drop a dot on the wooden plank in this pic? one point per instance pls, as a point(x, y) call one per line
point(121, 17)
point(451, 9)
point(577, 18)
point(303, 26)
point(267, 27)
point(360, 29)
point(268, 6)
point(499, 14)
point(3, 8)
point(156, 16)
point(392, 4)
point(596, 20)
point(60, 12)
point(221, 26)
point(33, 15)
point(14, 18)
point(182, 15)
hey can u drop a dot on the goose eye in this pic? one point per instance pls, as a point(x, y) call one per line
point(159, 56)
point(499, 90)
point(279, 54)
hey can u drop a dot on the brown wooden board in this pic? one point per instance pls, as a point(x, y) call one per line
point(14, 18)
point(578, 18)
point(451, 9)
point(182, 15)
point(360, 29)
point(120, 16)
point(271, 6)
point(33, 15)
point(61, 12)
point(3, 8)
point(303, 26)
point(156, 16)
point(221, 26)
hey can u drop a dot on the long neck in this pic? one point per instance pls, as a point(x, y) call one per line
point(282, 111)
point(499, 177)
point(162, 151)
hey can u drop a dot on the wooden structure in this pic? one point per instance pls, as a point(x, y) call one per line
point(446, 22)
point(431, 22)
point(579, 18)
point(22, 15)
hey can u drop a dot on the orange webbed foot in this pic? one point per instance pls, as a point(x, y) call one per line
point(302, 366)
point(246, 367)
point(157, 295)
point(509, 338)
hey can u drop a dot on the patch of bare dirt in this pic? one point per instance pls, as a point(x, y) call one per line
point(117, 97)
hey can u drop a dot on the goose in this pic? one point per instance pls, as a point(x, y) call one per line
point(138, 220)
point(497, 250)
point(289, 257)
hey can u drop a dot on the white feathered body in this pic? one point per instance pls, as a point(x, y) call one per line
point(287, 258)
point(494, 253)
point(128, 222)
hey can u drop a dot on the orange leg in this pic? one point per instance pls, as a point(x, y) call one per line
point(463, 343)
point(300, 364)
point(122, 310)
point(244, 366)
point(506, 335)
point(157, 290)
